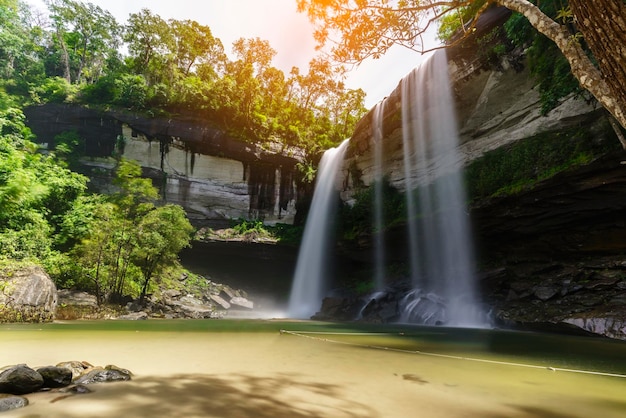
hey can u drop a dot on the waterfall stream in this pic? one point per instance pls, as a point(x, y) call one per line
point(309, 283)
point(440, 247)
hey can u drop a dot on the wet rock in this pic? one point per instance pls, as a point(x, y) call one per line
point(77, 298)
point(76, 390)
point(546, 292)
point(9, 402)
point(55, 377)
point(338, 308)
point(103, 376)
point(243, 302)
point(220, 301)
point(134, 316)
point(76, 367)
point(20, 379)
point(607, 326)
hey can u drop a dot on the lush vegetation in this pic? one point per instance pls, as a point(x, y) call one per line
point(121, 244)
point(73, 54)
point(519, 166)
point(545, 61)
point(110, 245)
point(502, 172)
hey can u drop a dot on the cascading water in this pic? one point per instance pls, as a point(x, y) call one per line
point(378, 235)
point(309, 280)
point(441, 254)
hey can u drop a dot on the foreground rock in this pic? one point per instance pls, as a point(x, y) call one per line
point(68, 378)
point(20, 379)
point(8, 402)
point(28, 295)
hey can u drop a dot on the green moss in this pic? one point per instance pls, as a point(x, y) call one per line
point(520, 166)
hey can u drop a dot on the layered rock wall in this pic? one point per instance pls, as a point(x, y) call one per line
point(215, 177)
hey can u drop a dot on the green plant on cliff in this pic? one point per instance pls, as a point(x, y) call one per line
point(357, 218)
point(546, 63)
point(521, 165)
point(35, 192)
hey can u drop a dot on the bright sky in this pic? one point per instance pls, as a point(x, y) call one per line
point(290, 33)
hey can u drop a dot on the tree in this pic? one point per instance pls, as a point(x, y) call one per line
point(86, 35)
point(194, 45)
point(161, 234)
point(368, 28)
point(150, 43)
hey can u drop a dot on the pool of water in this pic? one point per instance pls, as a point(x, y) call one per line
point(272, 368)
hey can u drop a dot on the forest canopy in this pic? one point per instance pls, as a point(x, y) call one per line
point(77, 52)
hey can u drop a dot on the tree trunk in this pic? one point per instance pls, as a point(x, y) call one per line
point(603, 25)
point(65, 58)
point(600, 25)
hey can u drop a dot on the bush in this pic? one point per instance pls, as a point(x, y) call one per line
point(54, 90)
point(132, 91)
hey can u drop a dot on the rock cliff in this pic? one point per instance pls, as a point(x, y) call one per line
point(551, 255)
point(214, 176)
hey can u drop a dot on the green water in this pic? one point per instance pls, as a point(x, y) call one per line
point(541, 349)
point(249, 368)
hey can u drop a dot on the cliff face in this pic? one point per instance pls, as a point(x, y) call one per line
point(213, 176)
point(550, 255)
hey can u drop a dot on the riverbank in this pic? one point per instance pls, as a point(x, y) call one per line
point(250, 369)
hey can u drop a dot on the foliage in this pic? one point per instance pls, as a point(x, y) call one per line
point(69, 147)
point(547, 64)
point(172, 66)
point(357, 217)
point(514, 168)
point(35, 192)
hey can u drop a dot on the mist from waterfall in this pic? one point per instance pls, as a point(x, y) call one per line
point(309, 283)
point(440, 249)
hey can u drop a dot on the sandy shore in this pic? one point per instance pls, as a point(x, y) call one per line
point(225, 374)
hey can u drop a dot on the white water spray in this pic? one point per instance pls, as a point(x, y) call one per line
point(309, 284)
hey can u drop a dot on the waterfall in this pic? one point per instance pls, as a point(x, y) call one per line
point(378, 233)
point(440, 249)
point(309, 284)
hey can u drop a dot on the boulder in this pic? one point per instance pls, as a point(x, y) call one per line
point(27, 295)
point(134, 316)
point(76, 367)
point(55, 377)
point(20, 379)
point(607, 326)
point(243, 302)
point(103, 375)
point(8, 402)
point(220, 301)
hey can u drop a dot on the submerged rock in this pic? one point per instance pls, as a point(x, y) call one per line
point(8, 402)
point(103, 376)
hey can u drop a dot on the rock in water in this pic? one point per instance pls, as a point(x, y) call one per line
point(28, 296)
point(102, 376)
point(19, 380)
point(55, 377)
point(8, 402)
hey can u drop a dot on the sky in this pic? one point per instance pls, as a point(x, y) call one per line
point(290, 33)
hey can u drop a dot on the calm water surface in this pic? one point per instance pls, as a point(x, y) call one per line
point(245, 368)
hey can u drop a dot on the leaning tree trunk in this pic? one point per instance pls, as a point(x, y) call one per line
point(604, 24)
